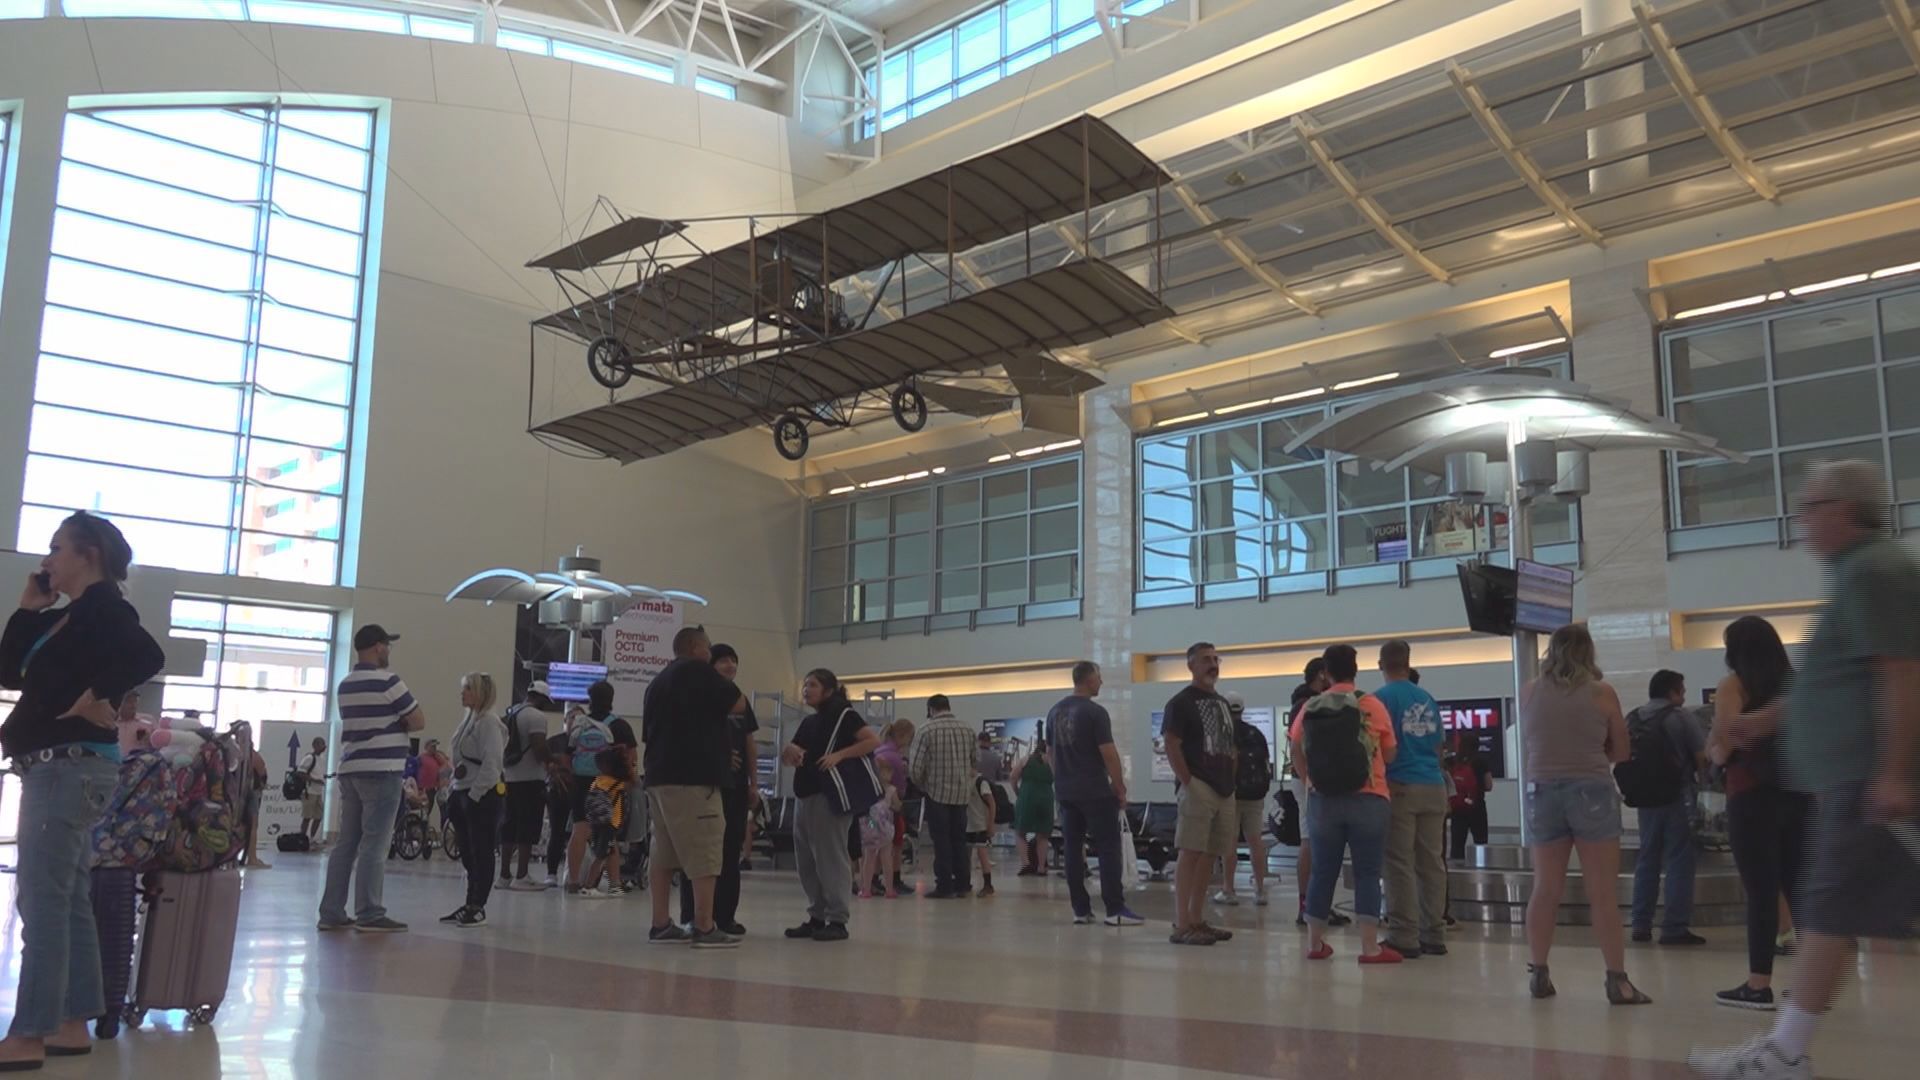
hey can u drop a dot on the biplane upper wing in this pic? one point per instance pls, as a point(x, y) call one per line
point(1048, 176)
point(1074, 304)
point(617, 239)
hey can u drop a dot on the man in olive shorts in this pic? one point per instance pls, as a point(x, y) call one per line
point(1198, 733)
point(1849, 734)
point(688, 755)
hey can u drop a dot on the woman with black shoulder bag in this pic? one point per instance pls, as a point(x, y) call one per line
point(72, 665)
point(833, 782)
point(473, 805)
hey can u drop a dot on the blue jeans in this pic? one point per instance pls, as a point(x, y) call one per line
point(1666, 843)
point(368, 805)
point(59, 944)
point(1334, 824)
point(1098, 819)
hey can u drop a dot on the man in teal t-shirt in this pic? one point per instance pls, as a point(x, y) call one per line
point(1416, 839)
point(1850, 736)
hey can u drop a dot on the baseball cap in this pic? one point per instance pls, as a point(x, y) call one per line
point(1236, 703)
point(372, 634)
point(540, 687)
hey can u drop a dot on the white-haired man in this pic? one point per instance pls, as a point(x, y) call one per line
point(1849, 735)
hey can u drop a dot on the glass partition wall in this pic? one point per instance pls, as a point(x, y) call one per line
point(1226, 511)
point(1790, 388)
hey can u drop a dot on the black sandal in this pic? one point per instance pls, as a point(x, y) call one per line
point(1539, 984)
point(1622, 992)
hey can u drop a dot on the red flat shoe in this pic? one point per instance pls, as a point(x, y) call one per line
point(1384, 956)
point(1325, 951)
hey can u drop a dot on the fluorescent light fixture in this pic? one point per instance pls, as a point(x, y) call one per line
point(1893, 271)
point(1715, 309)
point(1832, 283)
point(1189, 418)
point(1227, 410)
point(939, 470)
point(1516, 350)
point(1298, 394)
point(1369, 381)
point(998, 458)
point(1067, 445)
point(842, 490)
point(902, 478)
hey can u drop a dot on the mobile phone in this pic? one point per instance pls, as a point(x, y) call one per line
point(44, 582)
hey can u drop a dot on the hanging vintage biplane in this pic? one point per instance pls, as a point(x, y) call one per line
point(864, 307)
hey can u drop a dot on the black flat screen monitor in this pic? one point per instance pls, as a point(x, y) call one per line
point(569, 682)
point(1490, 592)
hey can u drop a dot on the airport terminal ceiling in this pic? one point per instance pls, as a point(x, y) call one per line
point(1545, 141)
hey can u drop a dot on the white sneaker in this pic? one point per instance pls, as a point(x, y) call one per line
point(1260, 898)
point(1756, 1059)
point(553, 881)
point(1226, 899)
point(1083, 920)
point(527, 884)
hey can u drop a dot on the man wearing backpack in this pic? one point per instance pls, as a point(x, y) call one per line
point(1668, 750)
point(1252, 780)
point(525, 774)
point(1345, 741)
point(1416, 833)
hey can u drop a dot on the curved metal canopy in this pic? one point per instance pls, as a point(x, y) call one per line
point(1421, 424)
point(518, 587)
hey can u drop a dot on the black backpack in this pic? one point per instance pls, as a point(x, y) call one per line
point(1653, 774)
point(1339, 758)
point(1253, 771)
point(516, 746)
point(294, 787)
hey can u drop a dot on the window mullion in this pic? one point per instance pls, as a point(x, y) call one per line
point(250, 370)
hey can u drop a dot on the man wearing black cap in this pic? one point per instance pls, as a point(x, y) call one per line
point(377, 713)
point(736, 799)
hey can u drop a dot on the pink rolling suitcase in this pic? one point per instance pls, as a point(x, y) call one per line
point(186, 947)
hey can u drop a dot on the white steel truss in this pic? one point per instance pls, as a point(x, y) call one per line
point(714, 37)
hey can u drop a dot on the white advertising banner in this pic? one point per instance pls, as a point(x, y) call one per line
point(636, 647)
point(283, 744)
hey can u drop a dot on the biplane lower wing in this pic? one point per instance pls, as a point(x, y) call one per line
point(1073, 304)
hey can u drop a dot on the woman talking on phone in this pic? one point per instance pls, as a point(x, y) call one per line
point(71, 664)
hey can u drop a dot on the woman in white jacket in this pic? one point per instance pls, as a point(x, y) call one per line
point(478, 749)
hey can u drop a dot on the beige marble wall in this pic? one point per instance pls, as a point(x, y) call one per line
point(1623, 520)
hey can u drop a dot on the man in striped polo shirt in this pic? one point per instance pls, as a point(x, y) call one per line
point(377, 712)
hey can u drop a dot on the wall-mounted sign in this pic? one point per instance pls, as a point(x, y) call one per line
point(1479, 726)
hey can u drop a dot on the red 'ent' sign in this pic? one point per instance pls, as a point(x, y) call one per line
point(1471, 718)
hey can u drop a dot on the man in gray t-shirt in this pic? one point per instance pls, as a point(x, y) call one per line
point(987, 762)
point(1092, 790)
point(528, 725)
point(1668, 846)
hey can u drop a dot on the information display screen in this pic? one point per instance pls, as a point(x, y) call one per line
point(1545, 597)
point(569, 682)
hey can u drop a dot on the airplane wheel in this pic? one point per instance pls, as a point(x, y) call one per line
point(606, 360)
point(790, 437)
point(909, 407)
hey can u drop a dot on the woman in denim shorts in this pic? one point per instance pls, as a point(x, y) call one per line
point(1573, 733)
